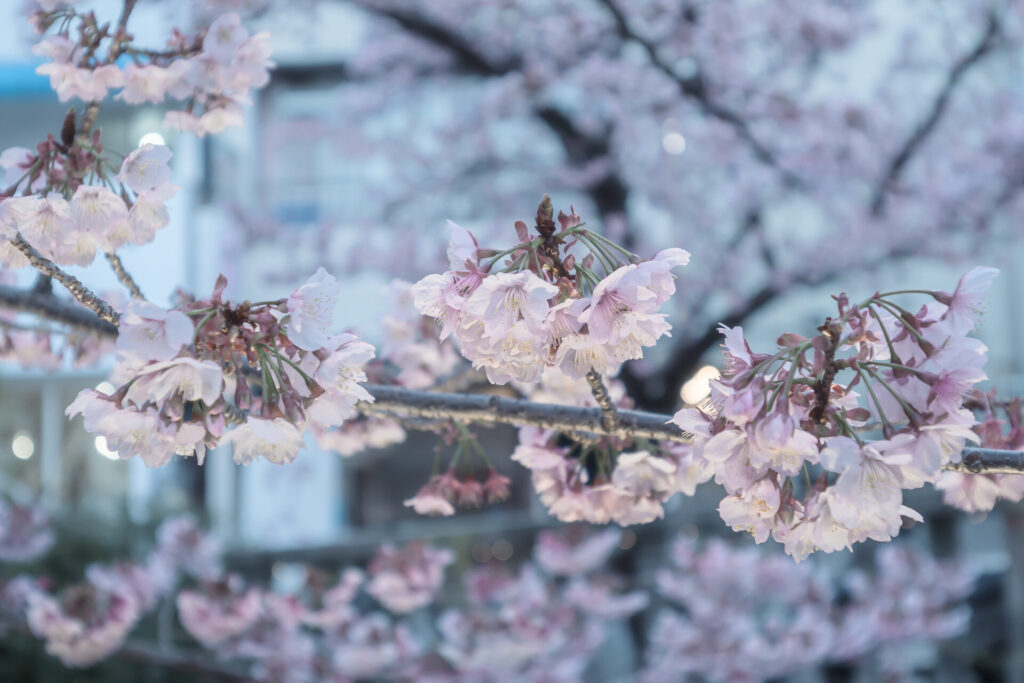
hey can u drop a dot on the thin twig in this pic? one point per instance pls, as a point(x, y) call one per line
point(123, 275)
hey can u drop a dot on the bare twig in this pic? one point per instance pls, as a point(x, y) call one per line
point(123, 275)
point(83, 294)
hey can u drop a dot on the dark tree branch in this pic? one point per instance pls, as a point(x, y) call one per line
point(695, 88)
point(442, 36)
point(931, 119)
point(609, 194)
point(83, 294)
point(492, 409)
point(417, 405)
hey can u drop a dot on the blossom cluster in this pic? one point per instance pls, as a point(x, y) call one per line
point(408, 578)
point(776, 417)
point(749, 616)
point(88, 621)
point(212, 73)
point(185, 376)
point(980, 492)
point(445, 491)
point(541, 304)
point(67, 219)
point(600, 481)
point(320, 631)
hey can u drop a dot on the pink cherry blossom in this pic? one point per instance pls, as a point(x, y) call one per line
point(504, 299)
point(149, 332)
point(557, 554)
point(145, 83)
point(311, 311)
point(965, 301)
point(408, 578)
point(146, 168)
point(224, 614)
point(754, 510)
point(25, 532)
point(85, 626)
point(191, 379)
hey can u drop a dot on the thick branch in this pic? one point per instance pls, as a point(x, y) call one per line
point(488, 409)
point(935, 112)
point(400, 402)
point(989, 461)
point(47, 306)
point(84, 295)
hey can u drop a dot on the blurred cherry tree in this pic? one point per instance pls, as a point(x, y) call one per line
point(785, 144)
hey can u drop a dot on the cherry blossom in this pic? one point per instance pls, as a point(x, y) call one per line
point(547, 307)
point(774, 417)
point(407, 579)
point(311, 310)
point(25, 532)
point(151, 333)
point(276, 440)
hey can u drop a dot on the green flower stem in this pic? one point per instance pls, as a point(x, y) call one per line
point(881, 412)
point(908, 410)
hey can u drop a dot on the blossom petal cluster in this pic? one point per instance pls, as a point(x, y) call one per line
point(405, 579)
point(741, 614)
point(68, 221)
point(88, 621)
point(213, 373)
point(212, 74)
point(25, 532)
point(791, 443)
point(546, 307)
